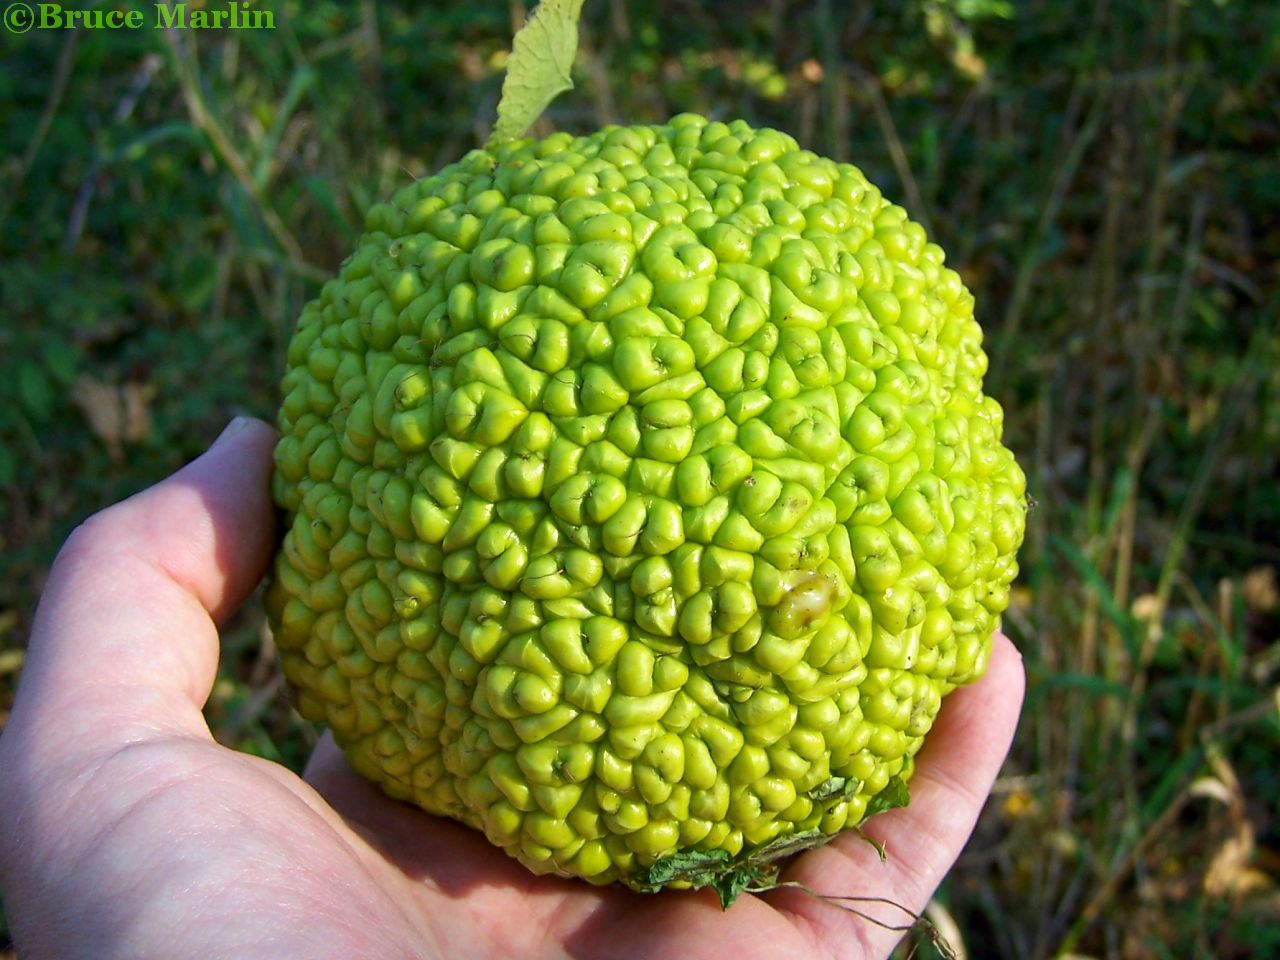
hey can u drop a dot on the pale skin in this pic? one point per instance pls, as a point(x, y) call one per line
point(126, 831)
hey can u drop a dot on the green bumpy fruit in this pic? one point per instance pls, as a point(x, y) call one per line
point(642, 501)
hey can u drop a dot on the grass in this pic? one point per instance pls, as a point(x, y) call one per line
point(1102, 175)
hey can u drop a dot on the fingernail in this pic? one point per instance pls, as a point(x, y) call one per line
point(236, 425)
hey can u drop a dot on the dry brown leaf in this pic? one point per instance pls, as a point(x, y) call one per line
point(11, 662)
point(1230, 872)
point(1064, 841)
point(1212, 789)
point(947, 928)
point(970, 64)
point(1147, 608)
point(1019, 804)
point(1260, 590)
point(811, 70)
point(118, 414)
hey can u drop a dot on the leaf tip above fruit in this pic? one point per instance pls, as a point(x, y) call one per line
point(539, 68)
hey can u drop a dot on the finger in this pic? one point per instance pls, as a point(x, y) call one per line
point(954, 773)
point(359, 801)
point(434, 850)
point(329, 773)
point(127, 625)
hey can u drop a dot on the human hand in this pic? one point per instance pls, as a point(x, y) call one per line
point(127, 831)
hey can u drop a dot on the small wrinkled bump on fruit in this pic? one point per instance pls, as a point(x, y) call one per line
point(641, 496)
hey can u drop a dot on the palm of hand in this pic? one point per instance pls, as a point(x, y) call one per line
point(127, 831)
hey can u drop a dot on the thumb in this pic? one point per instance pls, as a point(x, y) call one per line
point(130, 608)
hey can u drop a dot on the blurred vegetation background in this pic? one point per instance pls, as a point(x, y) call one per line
point(1103, 174)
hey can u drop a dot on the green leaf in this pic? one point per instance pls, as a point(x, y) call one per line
point(729, 886)
point(302, 80)
point(1111, 609)
point(538, 70)
point(894, 795)
point(729, 876)
point(137, 148)
point(786, 846)
point(842, 787)
point(715, 869)
point(8, 467)
point(323, 195)
point(1088, 683)
point(693, 866)
point(35, 393)
point(61, 362)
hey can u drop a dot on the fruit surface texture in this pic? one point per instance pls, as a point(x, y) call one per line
point(641, 497)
